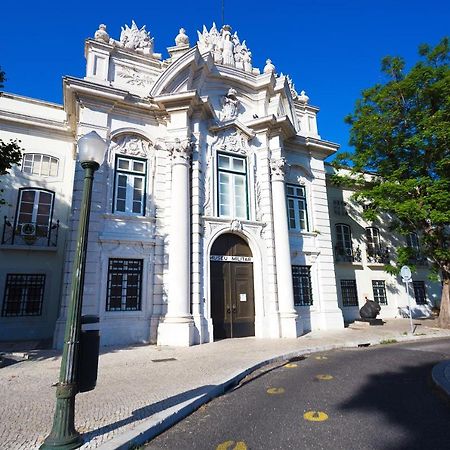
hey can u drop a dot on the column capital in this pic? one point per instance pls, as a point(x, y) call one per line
point(180, 150)
point(278, 168)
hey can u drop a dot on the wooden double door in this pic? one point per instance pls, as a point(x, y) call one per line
point(232, 296)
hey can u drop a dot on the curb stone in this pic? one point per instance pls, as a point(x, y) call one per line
point(163, 420)
point(441, 376)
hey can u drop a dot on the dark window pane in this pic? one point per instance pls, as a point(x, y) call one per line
point(124, 285)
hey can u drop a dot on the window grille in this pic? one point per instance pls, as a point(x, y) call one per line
point(24, 295)
point(124, 285)
point(420, 292)
point(301, 280)
point(379, 292)
point(349, 293)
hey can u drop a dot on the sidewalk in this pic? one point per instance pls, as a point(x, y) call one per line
point(143, 389)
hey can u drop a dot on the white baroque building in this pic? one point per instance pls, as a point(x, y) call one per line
point(210, 214)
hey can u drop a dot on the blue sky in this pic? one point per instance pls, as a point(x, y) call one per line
point(332, 49)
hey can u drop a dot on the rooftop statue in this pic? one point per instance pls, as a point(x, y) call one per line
point(225, 47)
point(135, 38)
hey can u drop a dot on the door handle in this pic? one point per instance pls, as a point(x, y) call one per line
point(229, 310)
point(234, 308)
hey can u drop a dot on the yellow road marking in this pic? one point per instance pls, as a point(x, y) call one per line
point(291, 365)
point(276, 391)
point(321, 357)
point(324, 377)
point(228, 445)
point(315, 416)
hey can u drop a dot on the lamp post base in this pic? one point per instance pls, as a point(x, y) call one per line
point(63, 435)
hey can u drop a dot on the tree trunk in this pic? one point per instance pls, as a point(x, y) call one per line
point(444, 314)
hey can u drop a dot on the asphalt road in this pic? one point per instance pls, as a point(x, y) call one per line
point(367, 398)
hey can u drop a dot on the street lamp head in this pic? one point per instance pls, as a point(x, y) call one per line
point(91, 148)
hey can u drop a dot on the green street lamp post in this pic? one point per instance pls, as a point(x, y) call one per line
point(63, 435)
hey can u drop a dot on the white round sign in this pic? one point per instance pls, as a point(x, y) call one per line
point(405, 272)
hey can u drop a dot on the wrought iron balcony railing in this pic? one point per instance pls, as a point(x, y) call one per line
point(377, 255)
point(347, 254)
point(31, 234)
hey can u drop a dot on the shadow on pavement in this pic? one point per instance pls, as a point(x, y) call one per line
point(147, 411)
point(407, 404)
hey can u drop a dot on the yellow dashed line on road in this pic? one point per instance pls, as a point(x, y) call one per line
point(315, 416)
point(324, 377)
point(291, 365)
point(228, 445)
point(275, 391)
point(321, 357)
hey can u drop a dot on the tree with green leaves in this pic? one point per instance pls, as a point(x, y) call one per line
point(10, 152)
point(400, 130)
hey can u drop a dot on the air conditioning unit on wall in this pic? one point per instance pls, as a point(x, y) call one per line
point(28, 229)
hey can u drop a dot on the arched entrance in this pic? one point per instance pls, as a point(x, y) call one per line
point(232, 297)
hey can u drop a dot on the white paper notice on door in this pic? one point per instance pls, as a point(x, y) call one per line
point(242, 297)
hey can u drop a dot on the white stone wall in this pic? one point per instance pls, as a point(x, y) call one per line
point(364, 272)
point(41, 128)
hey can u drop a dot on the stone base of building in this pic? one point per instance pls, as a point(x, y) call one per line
point(327, 320)
point(176, 332)
point(290, 325)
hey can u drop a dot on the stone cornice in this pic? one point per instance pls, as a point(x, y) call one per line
point(326, 148)
point(274, 125)
point(179, 101)
point(232, 124)
point(35, 122)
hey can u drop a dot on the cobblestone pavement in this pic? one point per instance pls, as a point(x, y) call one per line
point(136, 383)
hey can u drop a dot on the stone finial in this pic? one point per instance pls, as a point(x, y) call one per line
point(101, 34)
point(269, 67)
point(303, 97)
point(182, 38)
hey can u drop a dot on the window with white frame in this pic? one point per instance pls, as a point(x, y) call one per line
point(373, 241)
point(124, 284)
point(379, 291)
point(301, 280)
point(34, 212)
point(344, 245)
point(232, 186)
point(129, 186)
point(420, 294)
point(297, 207)
point(24, 295)
point(39, 164)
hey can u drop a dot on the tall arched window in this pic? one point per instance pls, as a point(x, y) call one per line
point(344, 246)
point(375, 252)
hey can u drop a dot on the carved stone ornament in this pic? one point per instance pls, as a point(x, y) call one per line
point(230, 105)
point(133, 77)
point(277, 168)
point(303, 97)
point(233, 141)
point(225, 47)
point(182, 39)
point(235, 225)
point(137, 39)
point(180, 150)
point(269, 67)
point(291, 85)
point(101, 34)
point(131, 145)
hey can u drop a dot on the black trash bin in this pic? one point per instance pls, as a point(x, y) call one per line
point(88, 356)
